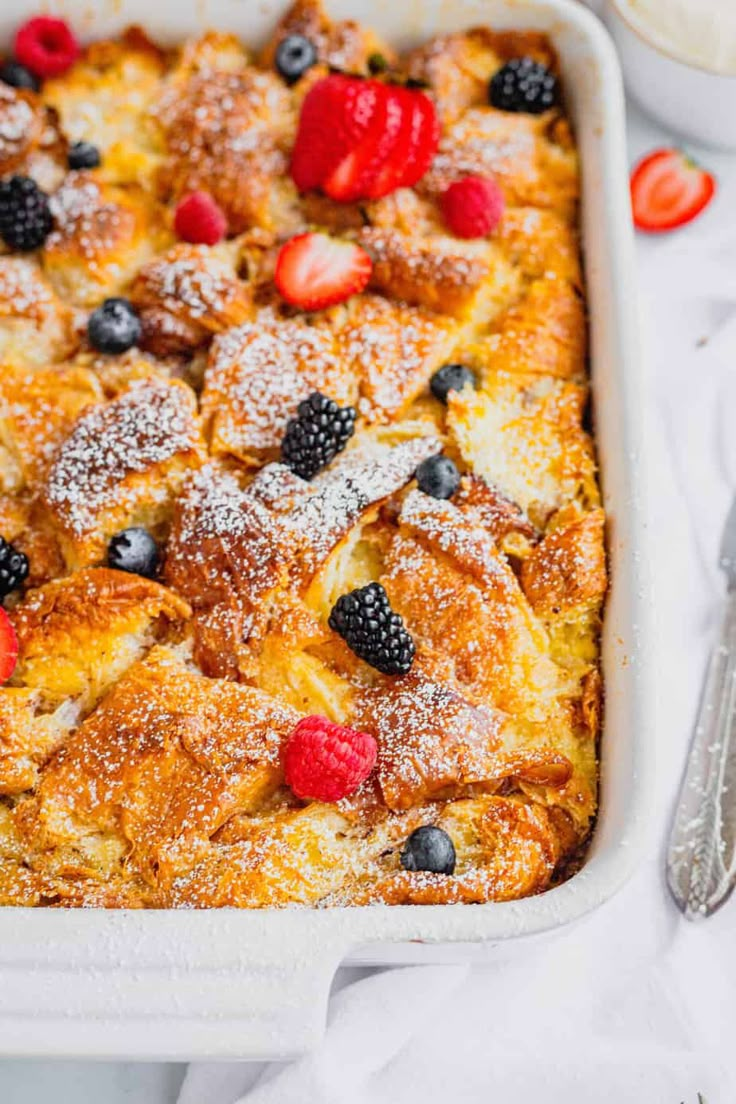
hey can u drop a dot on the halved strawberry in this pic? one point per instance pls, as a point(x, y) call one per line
point(360, 139)
point(668, 189)
point(315, 270)
point(8, 647)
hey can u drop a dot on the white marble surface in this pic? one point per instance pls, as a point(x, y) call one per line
point(25, 1082)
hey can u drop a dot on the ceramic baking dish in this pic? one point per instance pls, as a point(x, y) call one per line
point(249, 984)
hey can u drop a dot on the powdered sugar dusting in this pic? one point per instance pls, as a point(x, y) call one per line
point(17, 118)
point(259, 372)
point(149, 424)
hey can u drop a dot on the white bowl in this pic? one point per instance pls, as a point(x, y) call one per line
point(697, 102)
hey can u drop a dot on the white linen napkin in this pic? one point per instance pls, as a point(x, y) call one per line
point(634, 1005)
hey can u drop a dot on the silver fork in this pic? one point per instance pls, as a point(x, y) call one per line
point(701, 860)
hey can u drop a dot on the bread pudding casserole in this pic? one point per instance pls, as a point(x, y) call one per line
point(302, 557)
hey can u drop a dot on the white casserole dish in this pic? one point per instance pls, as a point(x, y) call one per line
point(224, 984)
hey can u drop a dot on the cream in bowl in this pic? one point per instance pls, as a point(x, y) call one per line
point(679, 60)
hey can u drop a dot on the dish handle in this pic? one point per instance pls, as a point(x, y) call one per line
point(193, 985)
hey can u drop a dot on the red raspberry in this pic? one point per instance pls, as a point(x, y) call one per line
point(46, 46)
point(200, 220)
point(473, 207)
point(325, 762)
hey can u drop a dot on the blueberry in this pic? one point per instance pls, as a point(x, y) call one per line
point(83, 155)
point(114, 327)
point(429, 848)
point(294, 55)
point(438, 476)
point(134, 550)
point(450, 377)
point(17, 76)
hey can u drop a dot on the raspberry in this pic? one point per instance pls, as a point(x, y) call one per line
point(198, 219)
point(326, 762)
point(46, 46)
point(473, 207)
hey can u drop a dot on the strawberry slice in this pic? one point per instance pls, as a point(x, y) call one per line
point(8, 647)
point(336, 112)
point(315, 271)
point(360, 139)
point(390, 175)
point(425, 139)
point(354, 176)
point(668, 189)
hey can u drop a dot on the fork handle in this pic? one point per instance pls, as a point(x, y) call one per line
point(701, 870)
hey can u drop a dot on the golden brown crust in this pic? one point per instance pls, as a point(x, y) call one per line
point(76, 637)
point(187, 294)
point(256, 376)
point(122, 462)
point(102, 234)
point(105, 99)
point(543, 333)
point(496, 513)
point(155, 770)
point(392, 349)
point(514, 848)
point(521, 151)
point(38, 409)
point(443, 274)
point(566, 572)
point(30, 142)
point(457, 67)
point(228, 134)
point(344, 45)
point(36, 327)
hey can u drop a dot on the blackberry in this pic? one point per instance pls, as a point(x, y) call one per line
point(523, 85)
point(371, 629)
point(450, 377)
point(438, 477)
point(17, 76)
point(83, 155)
point(429, 848)
point(25, 214)
point(114, 327)
point(134, 550)
point(13, 568)
point(294, 55)
point(320, 430)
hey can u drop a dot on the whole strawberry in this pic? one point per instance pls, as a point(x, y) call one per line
point(325, 761)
